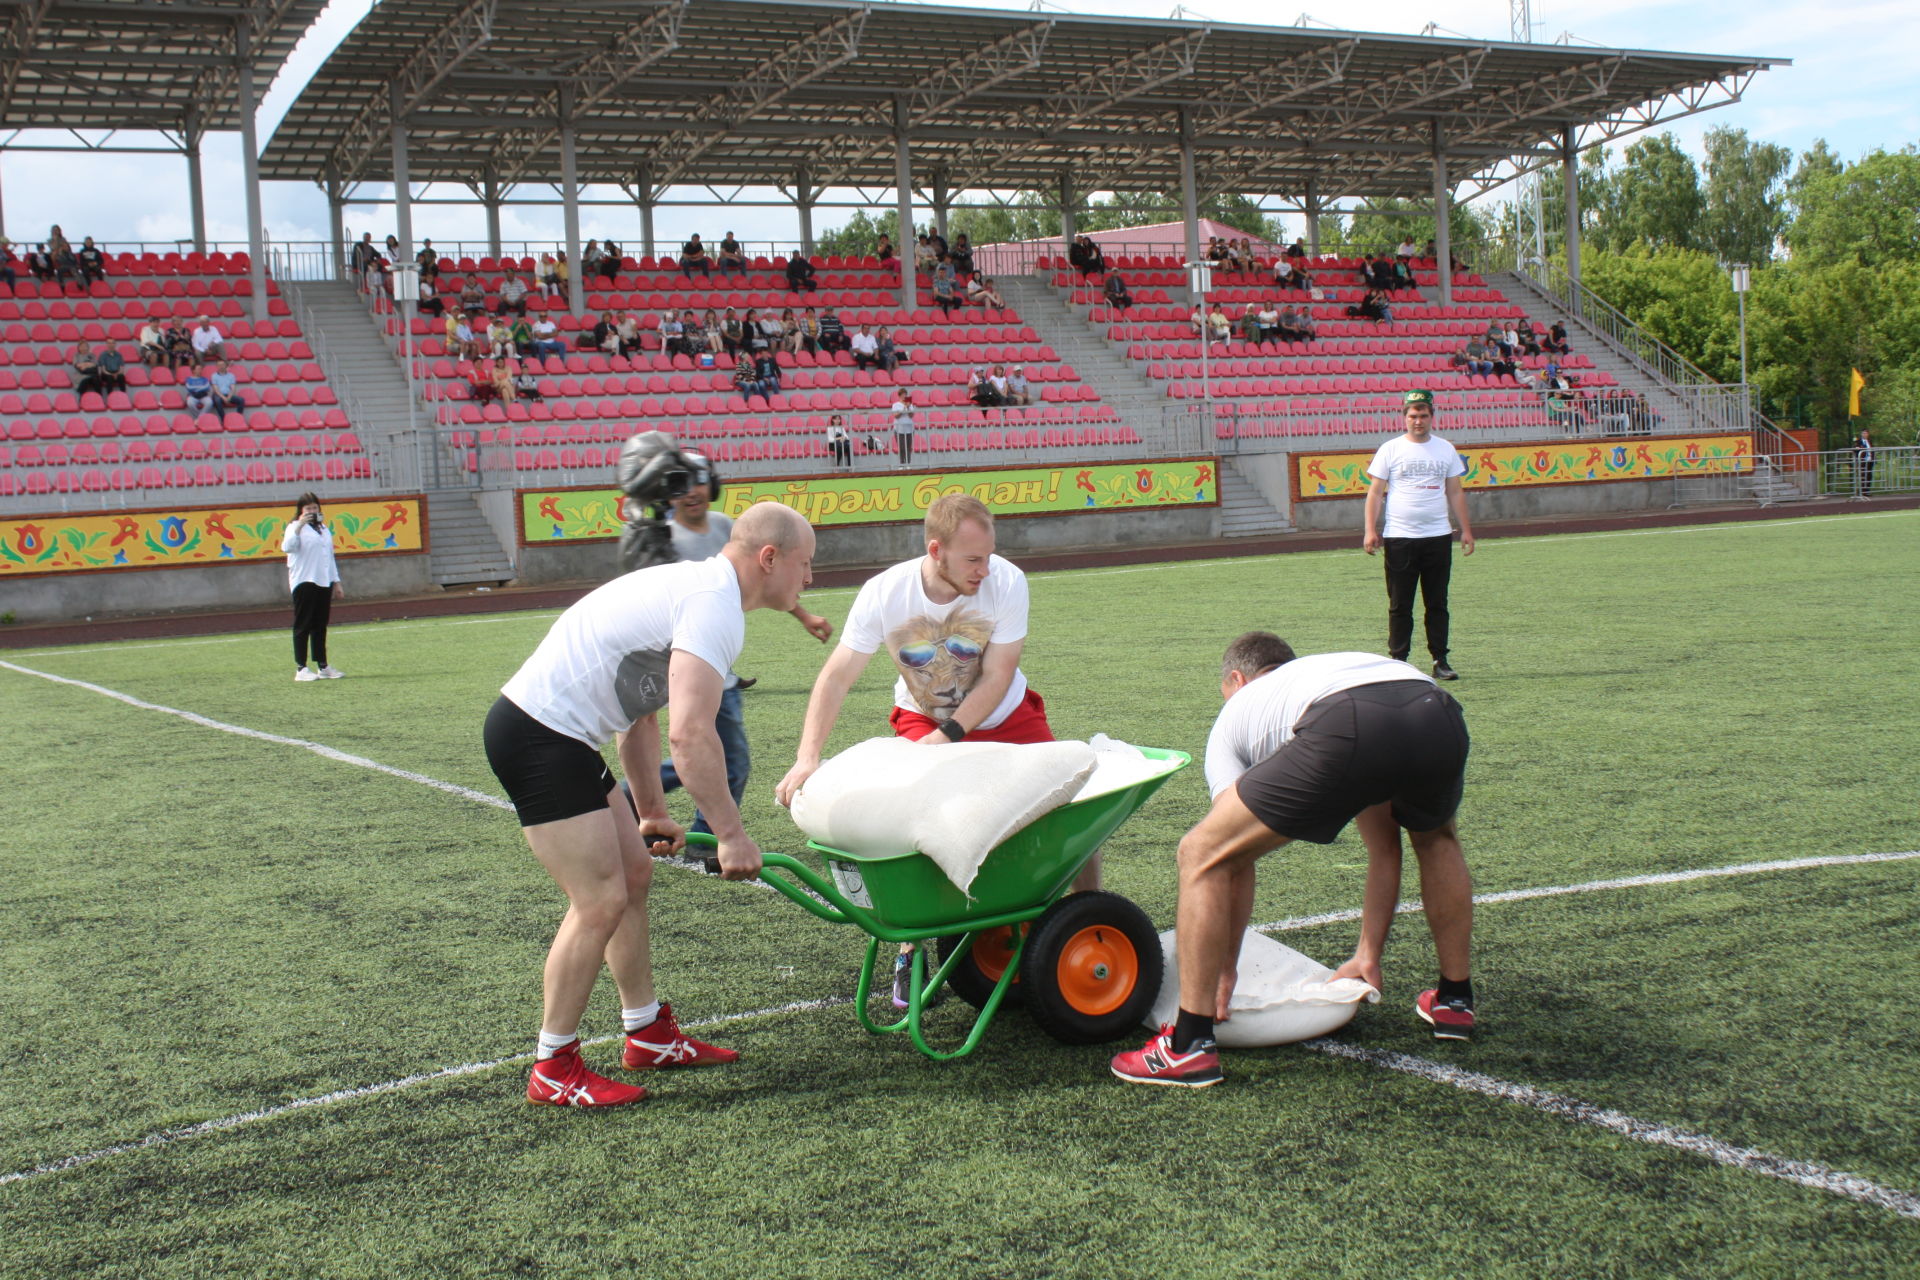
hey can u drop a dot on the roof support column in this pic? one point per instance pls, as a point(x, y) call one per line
point(1189, 188)
point(250, 178)
point(903, 205)
point(336, 225)
point(1570, 169)
point(643, 196)
point(402, 184)
point(942, 201)
point(1067, 209)
point(3, 208)
point(570, 203)
point(196, 191)
point(1442, 216)
point(1313, 217)
point(804, 196)
point(490, 197)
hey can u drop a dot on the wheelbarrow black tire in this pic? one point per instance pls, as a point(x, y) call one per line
point(1092, 968)
point(973, 981)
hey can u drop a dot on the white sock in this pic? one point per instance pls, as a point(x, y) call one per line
point(553, 1042)
point(636, 1019)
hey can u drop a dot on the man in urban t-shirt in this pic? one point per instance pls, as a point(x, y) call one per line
point(1416, 480)
point(954, 621)
point(1303, 747)
point(657, 638)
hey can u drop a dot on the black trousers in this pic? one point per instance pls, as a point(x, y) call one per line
point(842, 451)
point(903, 445)
point(312, 605)
point(1425, 563)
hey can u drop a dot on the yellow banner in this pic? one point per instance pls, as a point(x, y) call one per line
point(1344, 475)
point(175, 536)
point(581, 515)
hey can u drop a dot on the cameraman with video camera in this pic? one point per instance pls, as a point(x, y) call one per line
point(315, 578)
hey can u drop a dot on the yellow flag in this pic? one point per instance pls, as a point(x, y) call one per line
point(1853, 394)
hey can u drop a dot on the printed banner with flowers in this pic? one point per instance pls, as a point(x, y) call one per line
point(587, 515)
point(1344, 475)
point(175, 536)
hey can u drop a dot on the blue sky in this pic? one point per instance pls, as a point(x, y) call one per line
point(1852, 83)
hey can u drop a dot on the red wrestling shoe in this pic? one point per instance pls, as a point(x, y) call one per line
point(564, 1081)
point(663, 1045)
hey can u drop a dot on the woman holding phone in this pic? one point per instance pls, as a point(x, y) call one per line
point(315, 578)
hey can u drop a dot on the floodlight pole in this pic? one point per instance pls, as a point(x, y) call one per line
point(1200, 284)
point(1742, 281)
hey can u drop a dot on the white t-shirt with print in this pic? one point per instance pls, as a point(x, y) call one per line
point(1416, 476)
point(944, 643)
point(604, 663)
point(1258, 720)
point(690, 544)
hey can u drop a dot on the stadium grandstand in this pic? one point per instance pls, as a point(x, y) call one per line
point(347, 384)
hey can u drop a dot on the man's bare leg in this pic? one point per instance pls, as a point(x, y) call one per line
point(1089, 878)
point(1381, 835)
point(1213, 857)
point(583, 854)
point(1446, 894)
point(629, 952)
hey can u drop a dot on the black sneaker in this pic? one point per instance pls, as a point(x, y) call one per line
point(1441, 671)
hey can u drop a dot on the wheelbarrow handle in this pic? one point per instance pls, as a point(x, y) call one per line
point(813, 887)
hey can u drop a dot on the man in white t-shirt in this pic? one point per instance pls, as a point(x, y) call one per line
point(1416, 480)
point(954, 621)
point(1303, 747)
point(657, 638)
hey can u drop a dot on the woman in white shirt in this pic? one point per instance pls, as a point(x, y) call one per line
point(839, 443)
point(315, 579)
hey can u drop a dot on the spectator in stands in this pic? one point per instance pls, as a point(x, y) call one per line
point(153, 341)
point(526, 385)
point(839, 442)
point(998, 378)
point(198, 390)
point(1297, 251)
point(1268, 323)
point(808, 330)
point(733, 334)
point(1095, 262)
point(800, 274)
point(604, 335)
point(40, 263)
point(480, 382)
point(499, 339)
point(791, 338)
point(520, 334)
point(980, 291)
point(1475, 360)
point(429, 299)
point(773, 330)
point(833, 333)
point(866, 348)
point(392, 254)
point(693, 257)
point(746, 380)
point(1520, 334)
point(1560, 412)
point(1115, 291)
point(208, 342)
point(428, 261)
point(473, 296)
point(1556, 340)
point(112, 367)
point(981, 391)
point(1249, 325)
point(549, 275)
point(1019, 390)
point(60, 250)
point(84, 369)
point(945, 295)
point(903, 424)
point(751, 339)
point(923, 254)
point(1645, 420)
point(364, 260)
point(465, 343)
point(92, 262)
point(1374, 306)
point(731, 258)
point(226, 390)
point(1406, 252)
point(1219, 327)
point(9, 272)
point(886, 350)
point(883, 252)
point(1216, 252)
point(702, 334)
point(179, 345)
point(939, 242)
point(962, 254)
point(628, 327)
point(612, 258)
point(560, 271)
point(513, 294)
point(766, 368)
point(1283, 272)
point(1197, 323)
point(673, 335)
point(546, 339)
point(590, 260)
point(1297, 325)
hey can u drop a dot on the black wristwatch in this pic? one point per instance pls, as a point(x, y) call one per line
point(953, 730)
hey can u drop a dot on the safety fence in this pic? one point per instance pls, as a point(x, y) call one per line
point(1769, 479)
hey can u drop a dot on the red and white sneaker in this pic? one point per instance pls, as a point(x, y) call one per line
point(1157, 1063)
point(663, 1045)
point(564, 1081)
point(1451, 1021)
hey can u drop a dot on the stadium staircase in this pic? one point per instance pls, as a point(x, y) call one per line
point(1245, 511)
point(1606, 356)
point(1119, 382)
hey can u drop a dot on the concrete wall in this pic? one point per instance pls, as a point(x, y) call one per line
point(1509, 504)
point(55, 597)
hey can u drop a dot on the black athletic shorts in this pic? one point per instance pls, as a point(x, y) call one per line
point(548, 775)
point(1404, 741)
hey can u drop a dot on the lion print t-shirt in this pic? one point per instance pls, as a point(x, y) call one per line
point(938, 648)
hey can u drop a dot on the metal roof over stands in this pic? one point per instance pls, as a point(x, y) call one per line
point(804, 94)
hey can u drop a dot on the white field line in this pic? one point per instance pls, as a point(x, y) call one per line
point(319, 749)
point(167, 1137)
point(1171, 566)
point(1806, 1174)
point(1623, 882)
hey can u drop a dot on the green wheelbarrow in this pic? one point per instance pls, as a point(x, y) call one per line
point(1087, 966)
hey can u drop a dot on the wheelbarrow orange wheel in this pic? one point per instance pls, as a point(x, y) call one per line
point(978, 972)
point(1092, 968)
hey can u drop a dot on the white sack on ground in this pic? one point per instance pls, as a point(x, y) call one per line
point(1281, 996)
point(954, 803)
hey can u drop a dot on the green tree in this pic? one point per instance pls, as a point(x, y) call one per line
point(1385, 223)
point(1814, 165)
point(1865, 213)
point(1745, 202)
point(1144, 208)
point(1655, 198)
point(860, 234)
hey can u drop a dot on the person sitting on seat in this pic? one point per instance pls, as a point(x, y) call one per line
point(1524, 336)
point(1374, 306)
point(198, 389)
point(693, 257)
point(945, 295)
point(773, 331)
point(226, 390)
point(526, 385)
point(766, 370)
point(980, 290)
point(179, 345)
point(731, 258)
point(612, 258)
point(429, 299)
point(883, 251)
point(153, 341)
point(981, 391)
point(85, 370)
point(1116, 293)
point(806, 333)
point(884, 348)
point(865, 348)
point(1019, 390)
point(1556, 340)
point(520, 334)
point(549, 275)
point(833, 333)
point(92, 262)
point(962, 254)
point(746, 380)
point(480, 383)
point(800, 274)
point(673, 335)
point(1475, 360)
point(1096, 260)
point(513, 294)
point(1270, 328)
point(702, 335)
point(1250, 331)
point(1219, 328)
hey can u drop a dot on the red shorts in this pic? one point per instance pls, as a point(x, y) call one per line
point(1026, 723)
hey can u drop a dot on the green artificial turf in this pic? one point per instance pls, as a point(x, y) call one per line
point(197, 925)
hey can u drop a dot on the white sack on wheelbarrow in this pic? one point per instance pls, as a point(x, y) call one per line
point(1281, 996)
point(954, 803)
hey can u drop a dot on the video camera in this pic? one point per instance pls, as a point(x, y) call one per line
point(653, 472)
